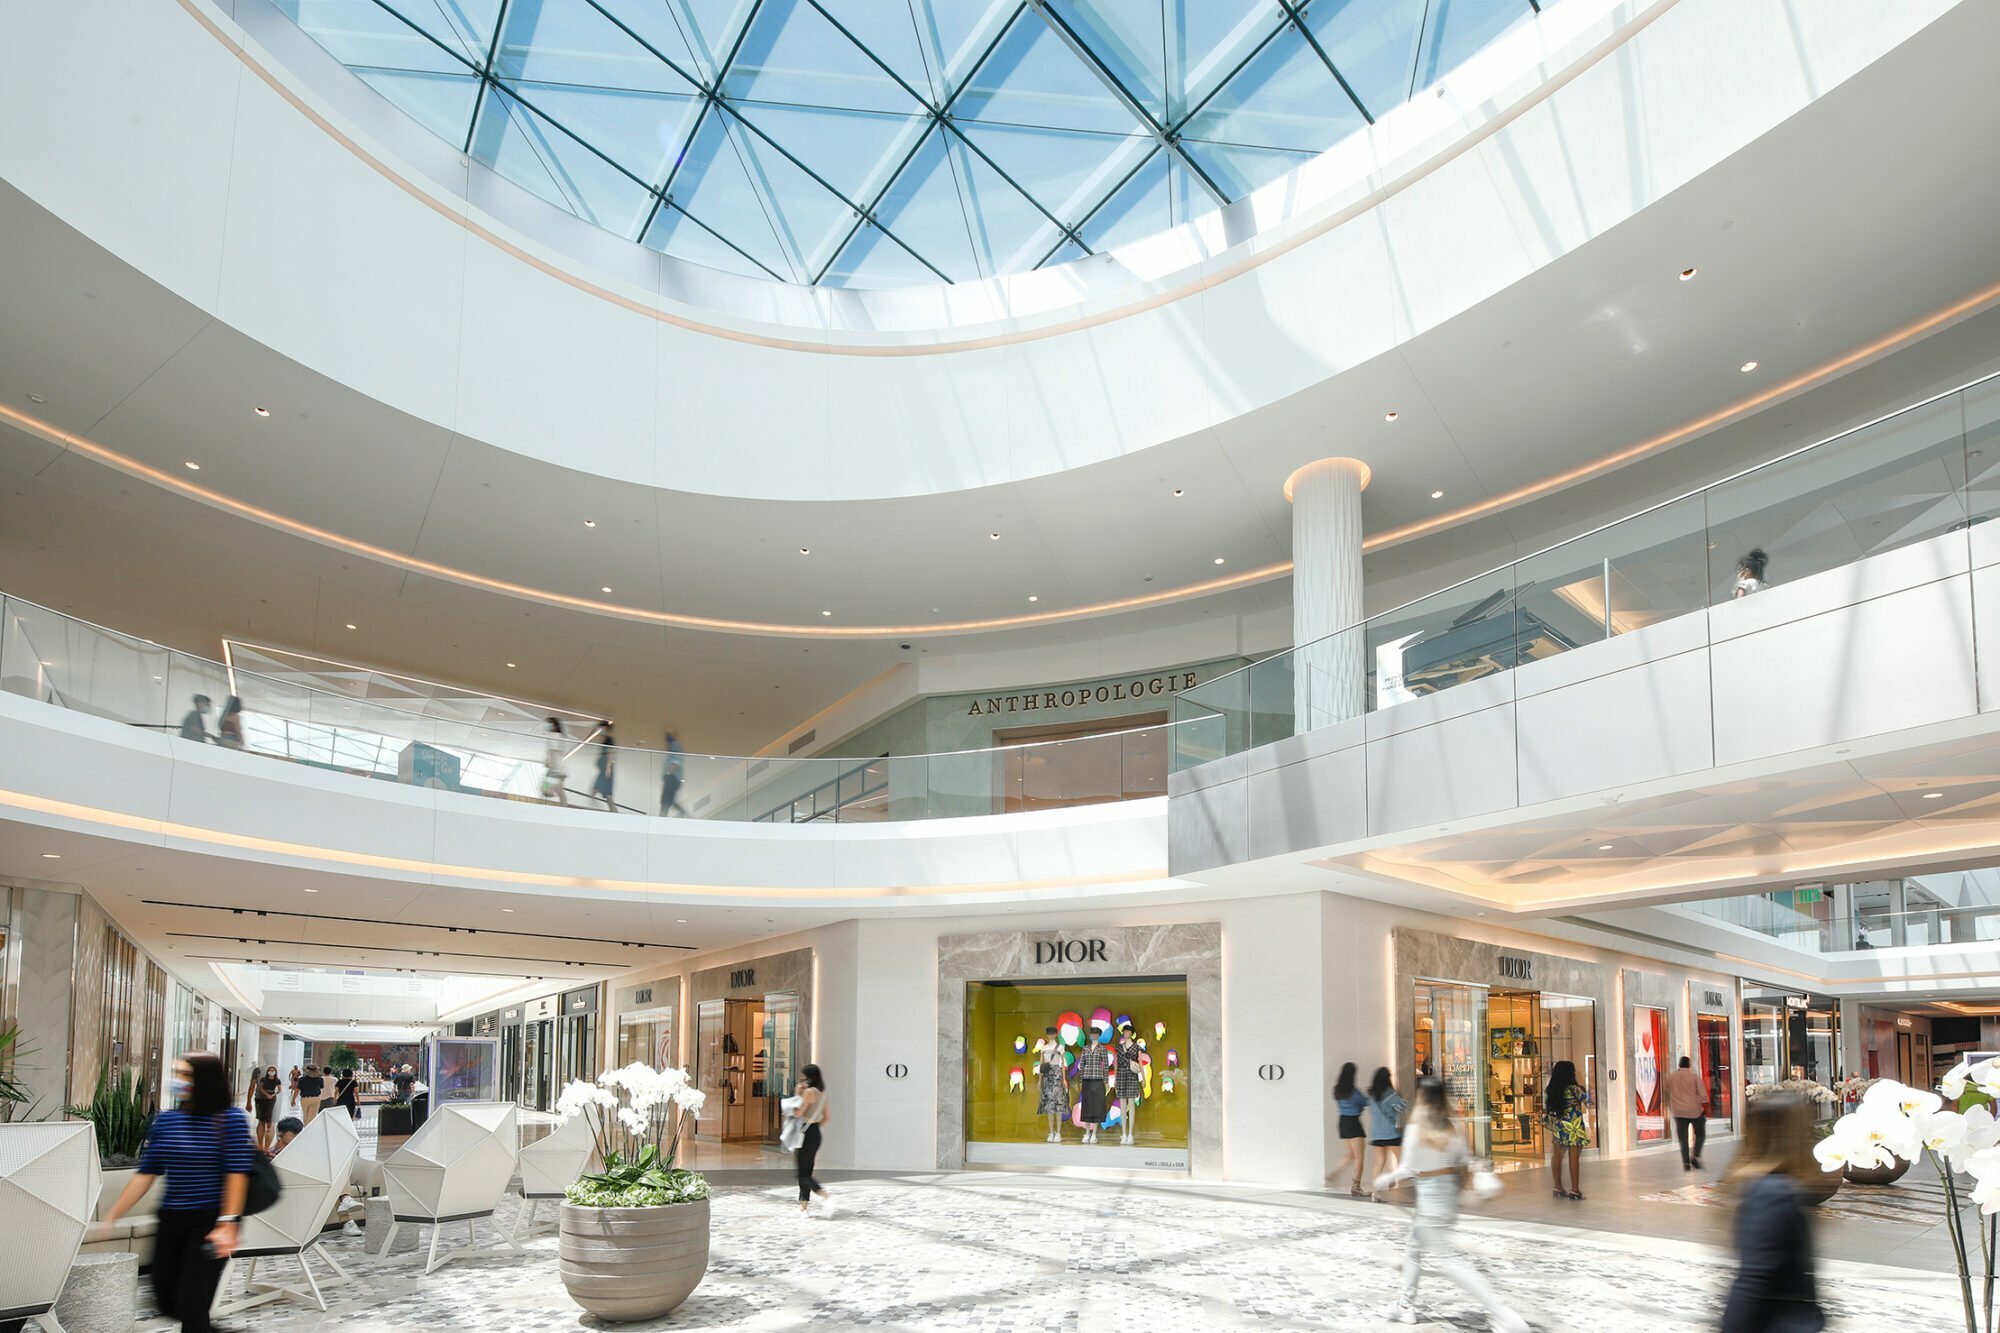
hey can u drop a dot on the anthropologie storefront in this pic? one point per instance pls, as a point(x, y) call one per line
point(1098, 1048)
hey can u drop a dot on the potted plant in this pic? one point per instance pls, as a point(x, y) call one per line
point(120, 1115)
point(1960, 1135)
point(14, 1091)
point(634, 1235)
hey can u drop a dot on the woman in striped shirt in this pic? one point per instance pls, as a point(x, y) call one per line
point(203, 1148)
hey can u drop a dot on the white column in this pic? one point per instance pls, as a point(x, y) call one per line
point(1330, 676)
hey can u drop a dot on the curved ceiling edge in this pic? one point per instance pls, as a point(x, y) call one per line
point(1251, 254)
point(1818, 375)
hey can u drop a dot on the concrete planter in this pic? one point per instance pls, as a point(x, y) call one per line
point(623, 1264)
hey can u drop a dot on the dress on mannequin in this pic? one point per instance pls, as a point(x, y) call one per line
point(1093, 1066)
point(1053, 1072)
point(1128, 1083)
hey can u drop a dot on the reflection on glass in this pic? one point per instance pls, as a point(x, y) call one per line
point(1452, 1045)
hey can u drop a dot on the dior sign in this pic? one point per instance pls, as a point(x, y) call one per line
point(1517, 969)
point(1050, 952)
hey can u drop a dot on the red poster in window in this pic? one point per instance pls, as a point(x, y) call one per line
point(1649, 1040)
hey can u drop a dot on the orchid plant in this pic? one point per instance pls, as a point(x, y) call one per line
point(1956, 1128)
point(637, 1115)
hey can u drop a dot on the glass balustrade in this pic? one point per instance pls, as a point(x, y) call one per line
point(1861, 931)
point(1919, 474)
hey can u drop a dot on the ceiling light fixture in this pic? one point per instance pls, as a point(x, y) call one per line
point(52, 856)
point(508, 910)
point(992, 536)
point(36, 398)
point(1437, 495)
point(312, 890)
point(1687, 273)
point(1218, 560)
point(261, 411)
point(826, 613)
point(1390, 416)
point(805, 550)
point(1747, 367)
point(680, 921)
point(605, 588)
point(1603, 846)
point(1933, 796)
point(590, 522)
point(1033, 598)
point(192, 466)
point(350, 625)
point(510, 666)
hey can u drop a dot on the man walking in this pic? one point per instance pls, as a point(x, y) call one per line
point(1687, 1103)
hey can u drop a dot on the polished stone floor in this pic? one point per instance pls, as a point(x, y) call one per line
point(1019, 1254)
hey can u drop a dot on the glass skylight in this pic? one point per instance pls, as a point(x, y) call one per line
point(891, 143)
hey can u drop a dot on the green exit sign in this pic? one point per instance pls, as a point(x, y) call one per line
point(1806, 895)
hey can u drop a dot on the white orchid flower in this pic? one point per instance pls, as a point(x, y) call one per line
point(1943, 1133)
point(1986, 1193)
point(690, 1100)
point(1906, 1100)
point(1881, 1126)
point(1833, 1153)
point(1952, 1085)
point(1985, 1078)
point(1981, 1129)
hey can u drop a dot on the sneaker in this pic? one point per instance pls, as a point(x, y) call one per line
point(1402, 1312)
point(349, 1229)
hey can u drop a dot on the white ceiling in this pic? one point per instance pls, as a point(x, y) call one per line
point(1597, 352)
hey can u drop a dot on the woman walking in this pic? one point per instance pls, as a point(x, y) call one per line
point(811, 1092)
point(1436, 1159)
point(311, 1088)
point(347, 1093)
point(1385, 1128)
point(1567, 1106)
point(1351, 1101)
point(263, 1100)
point(555, 763)
point(203, 1148)
point(1775, 1288)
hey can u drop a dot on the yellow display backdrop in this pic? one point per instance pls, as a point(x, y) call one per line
point(999, 1012)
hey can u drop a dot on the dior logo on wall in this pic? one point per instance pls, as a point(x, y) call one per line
point(644, 995)
point(1517, 969)
point(1050, 952)
point(1270, 1073)
point(741, 977)
point(896, 1071)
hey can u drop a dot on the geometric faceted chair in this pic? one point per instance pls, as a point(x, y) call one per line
point(313, 1170)
point(548, 1168)
point(454, 1169)
point(48, 1194)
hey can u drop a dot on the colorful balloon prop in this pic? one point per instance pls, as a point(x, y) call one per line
point(1159, 1032)
point(1020, 1045)
point(1114, 1115)
point(1076, 1114)
point(1069, 1059)
point(1100, 1022)
point(1069, 1027)
point(1124, 1022)
point(1015, 1080)
point(1173, 1057)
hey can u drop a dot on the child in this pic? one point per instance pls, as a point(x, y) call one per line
point(1434, 1157)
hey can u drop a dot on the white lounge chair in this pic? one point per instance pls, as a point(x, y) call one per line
point(48, 1193)
point(313, 1169)
point(548, 1168)
point(454, 1169)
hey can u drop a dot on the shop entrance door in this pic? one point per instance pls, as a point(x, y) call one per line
point(1494, 1051)
point(539, 1064)
point(1712, 1033)
point(510, 1064)
point(776, 1067)
point(1452, 1046)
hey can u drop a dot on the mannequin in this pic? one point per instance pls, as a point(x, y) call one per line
point(1093, 1068)
point(1128, 1084)
point(1053, 1072)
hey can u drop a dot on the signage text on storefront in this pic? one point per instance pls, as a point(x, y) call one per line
point(742, 976)
point(1139, 687)
point(1713, 999)
point(1050, 952)
point(1517, 969)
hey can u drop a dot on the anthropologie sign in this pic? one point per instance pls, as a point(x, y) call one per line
point(1077, 696)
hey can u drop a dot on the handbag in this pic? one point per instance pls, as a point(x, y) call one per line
point(263, 1184)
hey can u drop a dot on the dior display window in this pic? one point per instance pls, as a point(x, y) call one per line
point(1099, 1048)
point(752, 1029)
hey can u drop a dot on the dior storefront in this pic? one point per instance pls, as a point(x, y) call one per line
point(1099, 1047)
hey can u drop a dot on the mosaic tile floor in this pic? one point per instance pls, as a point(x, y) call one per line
point(1015, 1255)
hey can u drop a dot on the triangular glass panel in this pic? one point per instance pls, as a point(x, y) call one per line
point(1458, 29)
point(567, 41)
point(1284, 98)
point(794, 55)
point(504, 145)
point(1186, 195)
point(464, 25)
point(1138, 209)
point(955, 34)
point(872, 259)
point(1008, 232)
point(643, 132)
point(927, 212)
point(1239, 169)
point(889, 33)
point(682, 237)
point(595, 190)
point(361, 34)
point(657, 25)
point(1130, 38)
point(441, 103)
point(712, 27)
point(714, 186)
point(1373, 43)
point(852, 151)
point(1067, 253)
point(1032, 78)
point(809, 218)
point(1069, 172)
point(1205, 44)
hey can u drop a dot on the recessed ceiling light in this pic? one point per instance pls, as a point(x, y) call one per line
point(312, 890)
point(1179, 492)
point(350, 625)
point(1933, 796)
point(36, 398)
point(510, 666)
point(1747, 367)
point(1603, 846)
point(1033, 598)
point(192, 466)
point(605, 588)
point(680, 921)
point(805, 550)
point(1390, 416)
point(261, 411)
point(1437, 495)
point(590, 522)
point(1687, 273)
point(52, 856)
point(993, 536)
point(826, 613)
point(508, 910)
point(1218, 560)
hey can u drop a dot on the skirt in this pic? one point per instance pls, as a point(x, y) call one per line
point(1093, 1101)
point(1350, 1127)
point(265, 1108)
point(1054, 1098)
point(1393, 1141)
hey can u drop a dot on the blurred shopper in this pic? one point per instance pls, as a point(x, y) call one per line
point(1688, 1105)
point(555, 763)
point(811, 1113)
point(1436, 1159)
point(288, 1129)
point(229, 727)
point(1567, 1106)
point(292, 1091)
point(203, 1148)
point(670, 779)
point(311, 1088)
point(606, 757)
point(1775, 1290)
point(263, 1099)
point(347, 1093)
point(1385, 1123)
point(1750, 568)
point(1350, 1101)
point(194, 727)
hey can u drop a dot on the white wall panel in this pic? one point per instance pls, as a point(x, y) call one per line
point(1459, 767)
point(1631, 726)
point(1312, 803)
